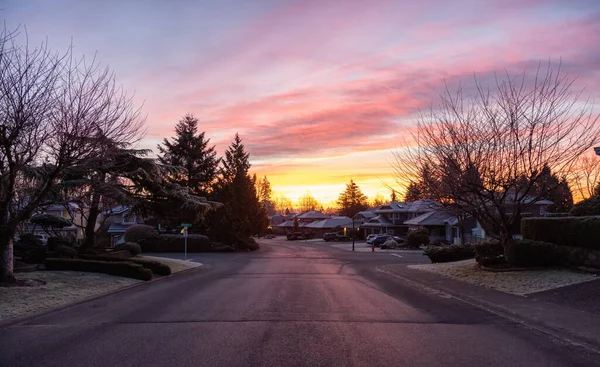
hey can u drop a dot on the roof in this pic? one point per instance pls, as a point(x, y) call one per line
point(433, 218)
point(367, 214)
point(333, 222)
point(378, 221)
point(290, 223)
point(116, 210)
point(313, 214)
point(422, 205)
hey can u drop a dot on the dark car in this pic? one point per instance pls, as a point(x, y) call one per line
point(380, 239)
point(330, 236)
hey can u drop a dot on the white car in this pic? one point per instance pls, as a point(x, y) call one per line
point(370, 238)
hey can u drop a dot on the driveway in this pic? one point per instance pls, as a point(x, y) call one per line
point(289, 304)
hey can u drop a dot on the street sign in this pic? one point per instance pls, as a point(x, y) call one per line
point(187, 225)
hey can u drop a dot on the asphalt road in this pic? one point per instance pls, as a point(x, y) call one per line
point(290, 304)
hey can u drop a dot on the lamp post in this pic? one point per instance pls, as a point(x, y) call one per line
point(353, 234)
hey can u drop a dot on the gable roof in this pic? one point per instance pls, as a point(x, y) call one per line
point(313, 214)
point(433, 218)
point(333, 222)
point(378, 221)
point(422, 205)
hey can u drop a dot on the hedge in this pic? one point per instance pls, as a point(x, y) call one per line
point(132, 247)
point(526, 253)
point(175, 243)
point(139, 232)
point(123, 269)
point(443, 254)
point(414, 239)
point(589, 206)
point(567, 231)
point(155, 266)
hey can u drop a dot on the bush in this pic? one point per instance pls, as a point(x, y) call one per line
point(65, 251)
point(29, 239)
point(132, 247)
point(526, 253)
point(175, 243)
point(155, 266)
point(54, 242)
point(247, 244)
point(443, 253)
point(414, 239)
point(29, 252)
point(138, 232)
point(568, 231)
point(489, 253)
point(589, 206)
point(535, 253)
point(123, 269)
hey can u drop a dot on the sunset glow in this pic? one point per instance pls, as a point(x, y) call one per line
point(320, 91)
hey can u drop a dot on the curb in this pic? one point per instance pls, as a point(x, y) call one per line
point(20, 319)
point(537, 324)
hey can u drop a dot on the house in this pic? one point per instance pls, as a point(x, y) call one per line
point(334, 224)
point(389, 218)
point(302, 220)
point(70, 211)
point(118, 219)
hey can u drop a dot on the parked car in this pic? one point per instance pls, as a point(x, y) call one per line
point(330, 236)
point(370, 238)
point(299, 236)
point(398, 239)
point(380, 239)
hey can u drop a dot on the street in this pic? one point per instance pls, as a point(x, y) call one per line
point(289, 304)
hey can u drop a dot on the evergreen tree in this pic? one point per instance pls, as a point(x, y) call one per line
point(393, 195)
point(263, 189)
point(413, 192)
point(242, 215)
point(352, 200)
point(190, 150)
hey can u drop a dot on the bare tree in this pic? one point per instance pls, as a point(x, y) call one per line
point(56, 112)
point(585, 177)
point(482, 153)
point(307, 202)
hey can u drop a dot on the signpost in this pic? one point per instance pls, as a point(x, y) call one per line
point(184, 230)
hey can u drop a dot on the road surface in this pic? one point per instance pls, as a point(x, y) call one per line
point(290, 304)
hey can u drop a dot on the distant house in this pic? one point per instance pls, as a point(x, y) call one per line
point(389, 218)
point(303, 220)
point(333, 224)
point(70, 211)
point(118, 220)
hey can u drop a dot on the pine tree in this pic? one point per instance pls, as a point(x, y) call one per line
point(190, 150)
point(413, 192)
point(243, 215)
point(393, 195)
point(352, 200)
point(263, 188)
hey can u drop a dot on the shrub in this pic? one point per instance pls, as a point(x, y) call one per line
point(489, 253)
point(526, 253)
point(416, 238)
point(589, 206)
point(65, 251)
point(29, 252)
point(54, 242)
point(132, 247)
point(535, 253)
point(175, 243)
point(138, 232)
point(155, 266)
point(247, 244)
point(568, 231)
point(123, 269)
point(29, 239)
point(443, 253)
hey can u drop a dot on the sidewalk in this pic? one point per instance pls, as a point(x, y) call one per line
point(567, 323)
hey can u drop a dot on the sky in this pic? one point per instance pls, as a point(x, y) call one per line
point(321, 91)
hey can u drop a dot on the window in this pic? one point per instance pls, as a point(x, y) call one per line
point(66, 214)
